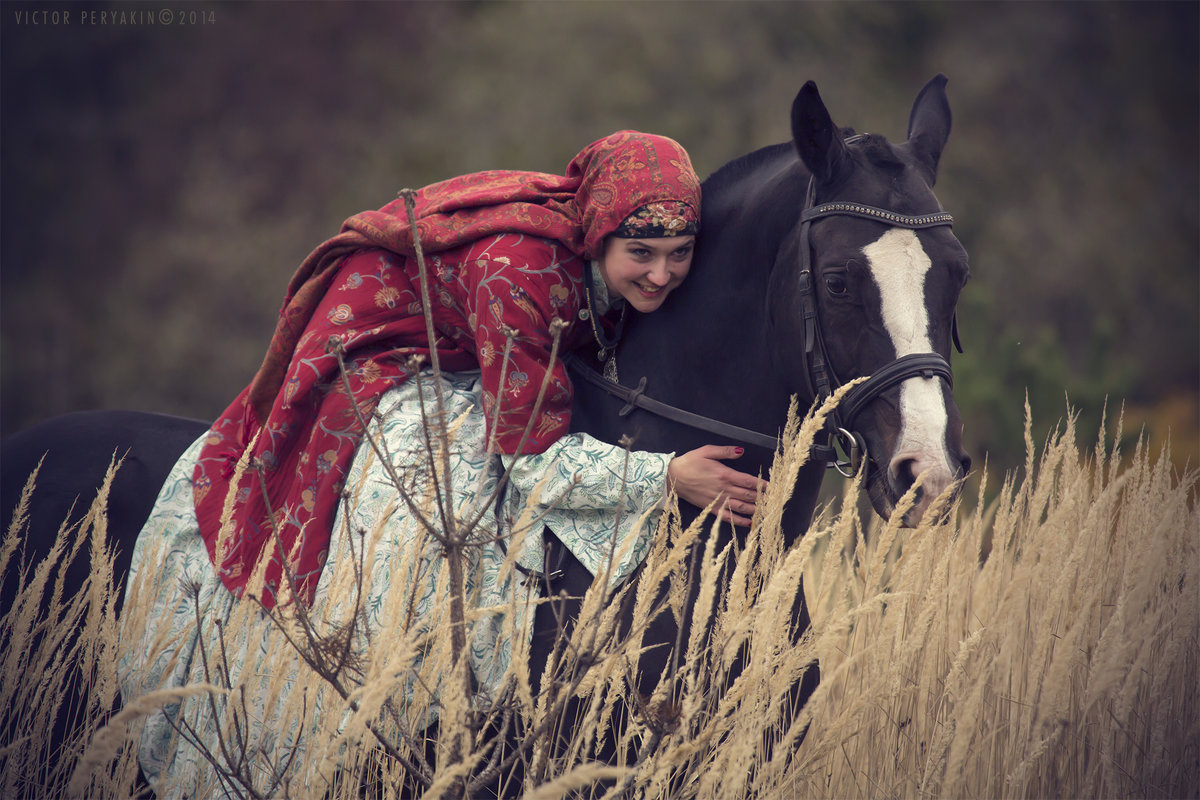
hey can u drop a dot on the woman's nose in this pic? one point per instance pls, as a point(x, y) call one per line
point(658, 274)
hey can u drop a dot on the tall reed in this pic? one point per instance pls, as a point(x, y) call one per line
point(1042, 645)
point(1045, 646)
point(53, 643)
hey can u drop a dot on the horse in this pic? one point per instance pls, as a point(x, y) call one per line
point(823, 260)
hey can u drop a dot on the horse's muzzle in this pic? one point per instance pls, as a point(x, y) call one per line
point(931, 478)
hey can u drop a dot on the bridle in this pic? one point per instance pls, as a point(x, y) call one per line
point(820, 379)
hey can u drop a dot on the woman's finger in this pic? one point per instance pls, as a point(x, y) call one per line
point(744, 480)
point(720, 452)
point(745, 489)
point(741, 509)
point(756, 484)
point(737, 519)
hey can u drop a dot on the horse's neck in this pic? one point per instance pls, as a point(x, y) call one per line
point(710, 348)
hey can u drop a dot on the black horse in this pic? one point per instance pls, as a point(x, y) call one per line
point(824, 259)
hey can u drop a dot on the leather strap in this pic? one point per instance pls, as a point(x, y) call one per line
point(637, 398)
point(914, 365)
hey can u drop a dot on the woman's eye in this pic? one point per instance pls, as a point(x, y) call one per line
point(836, 285)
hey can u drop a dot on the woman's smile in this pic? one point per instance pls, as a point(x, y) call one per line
point(644, 271)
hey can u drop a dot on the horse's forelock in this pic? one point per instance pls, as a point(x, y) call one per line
point(878, 151)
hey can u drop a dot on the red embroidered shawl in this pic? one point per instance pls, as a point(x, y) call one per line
point(362, 286)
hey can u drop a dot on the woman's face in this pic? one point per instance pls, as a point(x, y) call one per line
point(645, 271)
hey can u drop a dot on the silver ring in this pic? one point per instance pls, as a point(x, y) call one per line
point(855, 450)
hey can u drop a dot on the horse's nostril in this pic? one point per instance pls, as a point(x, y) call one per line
point(903, 473)
point(966, 464)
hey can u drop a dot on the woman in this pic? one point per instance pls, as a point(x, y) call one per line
point(521, 268)
point(508, 250)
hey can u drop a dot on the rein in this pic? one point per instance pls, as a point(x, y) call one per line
point(819, 377)
point(637, 398)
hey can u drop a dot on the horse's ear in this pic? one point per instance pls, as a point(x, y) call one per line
point(929, 125)
point(816, 138)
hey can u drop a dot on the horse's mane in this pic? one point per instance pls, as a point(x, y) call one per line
point(874, 148)
point(739, 168)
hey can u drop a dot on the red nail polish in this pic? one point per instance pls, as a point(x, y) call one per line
point(738, 450)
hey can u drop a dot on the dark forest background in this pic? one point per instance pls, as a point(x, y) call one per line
point(160, 183)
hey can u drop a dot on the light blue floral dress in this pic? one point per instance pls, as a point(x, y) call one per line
point(601, 501)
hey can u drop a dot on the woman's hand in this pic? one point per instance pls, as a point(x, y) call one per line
point(699, 477)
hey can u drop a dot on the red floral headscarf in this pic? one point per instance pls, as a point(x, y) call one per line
point(603, 186)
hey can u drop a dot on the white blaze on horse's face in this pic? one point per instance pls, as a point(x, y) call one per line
point(899, 264)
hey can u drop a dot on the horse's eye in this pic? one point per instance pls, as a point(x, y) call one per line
point(836, 285)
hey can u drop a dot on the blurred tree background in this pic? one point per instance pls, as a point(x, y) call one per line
point(160, 183)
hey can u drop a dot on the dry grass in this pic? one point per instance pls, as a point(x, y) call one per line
point(1063, 665)
point(50, 644)
point(1042, 646)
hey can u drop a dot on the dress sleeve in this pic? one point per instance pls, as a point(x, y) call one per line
point(518, 291)
point(600, 500)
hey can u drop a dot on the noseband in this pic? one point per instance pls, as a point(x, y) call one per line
point(820, 379)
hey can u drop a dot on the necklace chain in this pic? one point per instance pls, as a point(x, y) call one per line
point(608, 345)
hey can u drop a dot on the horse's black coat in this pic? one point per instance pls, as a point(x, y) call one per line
point(726, 345)
point(711, 350)
point(729, 343)
point(75, 451)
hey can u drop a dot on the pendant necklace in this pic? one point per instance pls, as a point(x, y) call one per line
point(608, 344)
